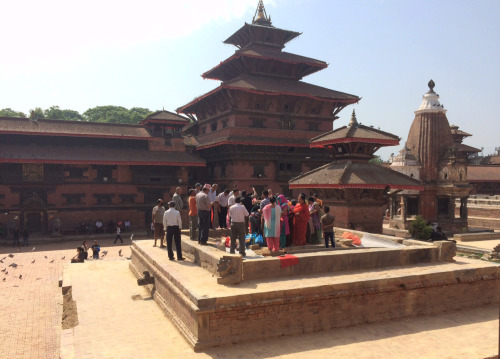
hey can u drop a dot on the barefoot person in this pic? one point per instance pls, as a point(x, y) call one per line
point(158, 212)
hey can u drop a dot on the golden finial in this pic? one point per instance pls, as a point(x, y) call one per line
point(260, 17)
point(353, 121)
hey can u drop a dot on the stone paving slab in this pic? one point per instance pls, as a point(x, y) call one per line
point(114, 325)
point(31, 307)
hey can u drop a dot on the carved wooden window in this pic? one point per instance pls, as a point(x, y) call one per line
point(75, 172)
point(127, 198)
point(32, 172)
point(103, 199)
point(443, 205)
point(313, 126)
point(213, 126)
point(259, 170)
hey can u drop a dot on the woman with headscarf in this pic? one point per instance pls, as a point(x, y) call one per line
point(314, 221)
point(285, 228)
point(272, 218)
point(301, 217)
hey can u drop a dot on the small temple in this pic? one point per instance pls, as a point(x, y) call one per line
point(435, 154)
point(356, 189)
point(254, 128)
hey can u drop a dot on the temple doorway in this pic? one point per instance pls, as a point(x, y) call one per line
point(33, 220)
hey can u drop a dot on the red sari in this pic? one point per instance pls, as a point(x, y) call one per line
point(300, 224)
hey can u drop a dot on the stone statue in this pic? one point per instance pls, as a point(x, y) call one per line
point(230, 269)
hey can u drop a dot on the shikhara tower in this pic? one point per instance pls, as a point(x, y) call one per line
point(441, 159)
point(254, 128)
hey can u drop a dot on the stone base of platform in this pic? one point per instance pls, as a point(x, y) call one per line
point(209, 314)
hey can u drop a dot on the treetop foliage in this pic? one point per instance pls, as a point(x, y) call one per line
point(111, 114)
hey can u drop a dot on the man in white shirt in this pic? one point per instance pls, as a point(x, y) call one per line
point(231, 201)
point(203, 205)
point(223, 199)
point(214, 202)
point(238, 212)
point(172, 222)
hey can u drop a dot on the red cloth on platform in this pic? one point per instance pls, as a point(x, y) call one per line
point(288, 260)
point(300, 224)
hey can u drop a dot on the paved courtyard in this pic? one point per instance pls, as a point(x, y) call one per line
point(118, 319)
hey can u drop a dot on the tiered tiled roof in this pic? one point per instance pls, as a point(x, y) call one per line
point(45, 127)
point(165, 117)
point(95, 155)
point(351, 174)
point(483, 173)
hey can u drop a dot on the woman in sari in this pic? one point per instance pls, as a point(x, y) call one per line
point(301, 217)
point(285, 228)
point(314, 221)
point(272, 217)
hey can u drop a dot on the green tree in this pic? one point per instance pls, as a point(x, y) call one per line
point(115, 114)
point(36, 113)
point(376, 160)
point(54, 112)
point(8, 112)
point(419, 229)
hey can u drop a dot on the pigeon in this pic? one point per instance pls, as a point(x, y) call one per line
point(4, 279)
point(104, 253)
point(45, 257)
point(6, 273)
point(63, 257)
point(33, 249)
point(120, 252)
point(20, 276)
point(13, 265)
point(132, 237)
point(1, 261)
point(33, 261)
point(11, 255)
point(52, 261)
point(3, 270)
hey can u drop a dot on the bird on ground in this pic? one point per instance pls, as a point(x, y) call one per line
point(104, 253)
point(33, 261)
point(52, 261)
point(1, 261)
point(6, 273)
point(13, 265)
point(4, 257)
point(63, 257)
point(4, 279)
point(45, 257)
point(3, 270)
point(20, 276)
point(120, 252)
point(11, 255)
point(33, 249)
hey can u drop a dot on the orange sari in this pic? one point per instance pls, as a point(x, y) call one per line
point(300, 224)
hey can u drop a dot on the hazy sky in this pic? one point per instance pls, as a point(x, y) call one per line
point(81, 54)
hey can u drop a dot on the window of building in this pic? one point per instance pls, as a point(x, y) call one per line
point(443, 206)
point(73, 199)
point(412, 206)
point(285, 108)
point(104, 199)
point(259, 170)
point(213, 126)
point(203, 130)
point(127, 198)
point(150, 197)
point(257, 122)
point(313, 126)
point(286, 125)
point(224, 123)
point(104, 174)
point(285, 167)
point(75, 172)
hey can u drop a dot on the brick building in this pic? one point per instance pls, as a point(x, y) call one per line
point(253, 129)
point(82, 171)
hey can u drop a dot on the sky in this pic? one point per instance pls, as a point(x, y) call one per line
point(82, 54)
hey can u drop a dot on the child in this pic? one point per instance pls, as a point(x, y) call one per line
point(95, 250)
point(327, 226)
point(79, 256)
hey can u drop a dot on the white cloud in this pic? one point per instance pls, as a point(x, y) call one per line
point(51, 35)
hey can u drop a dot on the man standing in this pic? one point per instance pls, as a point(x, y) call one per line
point(246, 201)
point(238, 213)
point(203, 206)
point(197, 187)
point(265, 200)
point(223, 199)
point(158, 212)
point(177, 199)
point(173, 223)
point(232, 199)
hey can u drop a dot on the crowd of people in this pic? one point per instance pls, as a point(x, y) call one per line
point(280, 220)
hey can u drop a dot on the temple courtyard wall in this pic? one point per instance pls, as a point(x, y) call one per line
point(357, 287)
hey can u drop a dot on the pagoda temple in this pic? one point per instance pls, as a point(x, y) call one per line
point(356, 189)
point(253, 129)
point(435, 154)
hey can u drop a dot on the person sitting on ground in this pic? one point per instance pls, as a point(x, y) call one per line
point(79, 258)
point(439, 235)
point(85, 249)
point(96, 248)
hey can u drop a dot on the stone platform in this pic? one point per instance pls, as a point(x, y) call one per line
point(210, 314)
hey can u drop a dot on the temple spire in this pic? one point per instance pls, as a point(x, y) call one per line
point(260, 17)
point(354, 121)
